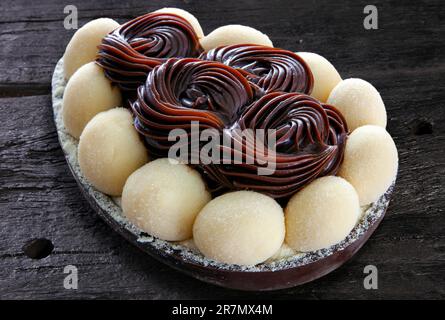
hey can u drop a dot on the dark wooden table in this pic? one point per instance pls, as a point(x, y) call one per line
point(39, 198)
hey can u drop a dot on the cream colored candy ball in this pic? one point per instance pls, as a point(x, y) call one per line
point(359, 102)
point(321, 214)
point(326, 77)
point(110, 149)
point(370, 162)
point(234, 34)
point(87, 93)
point(163, 199)
point(187, 16)
point(82, 47)
point(242, 227)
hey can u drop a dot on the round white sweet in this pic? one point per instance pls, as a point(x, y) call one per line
point(359, 102)
point(187, 16)
point(82, 47)
point(87, 93)
point(370, 162)
point(243, 227)
point(110, 149)
point(321, 214)
point(234, 34)
point(326, 77)
point(163, 198)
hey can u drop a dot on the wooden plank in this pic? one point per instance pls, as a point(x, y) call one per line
point(40, 39)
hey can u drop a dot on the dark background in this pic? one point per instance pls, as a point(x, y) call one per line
point(404, 59)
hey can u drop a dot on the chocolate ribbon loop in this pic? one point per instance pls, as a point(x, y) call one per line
point(309, 143)
point(131, 51)
point(268, 69)
point(181, 91)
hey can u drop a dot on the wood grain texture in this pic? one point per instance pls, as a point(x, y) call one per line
point(39, 198)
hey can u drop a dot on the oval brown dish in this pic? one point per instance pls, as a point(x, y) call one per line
point(271, 275)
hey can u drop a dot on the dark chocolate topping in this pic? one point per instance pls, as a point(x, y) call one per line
point(310, 142)
point(268, 69)
point(219, 92)
point(131, 51)
point(184, 90)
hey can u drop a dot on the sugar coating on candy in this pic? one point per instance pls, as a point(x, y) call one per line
point(311, 140)
point(87, 93)
point(284, 252)
point(82, 47)
point(189, 244)
point(234, 34)
point(359, 102)
point(110, 150)
point(322, 214)
point(242, 227)
point(163, 198)
point(187, 16)
point(370, 162)
point(326, 77)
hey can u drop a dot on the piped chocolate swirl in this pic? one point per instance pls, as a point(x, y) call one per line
point(131, 51)
point(309, 142)
point(268, 69)
point(182, 91)
point(234, 90)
